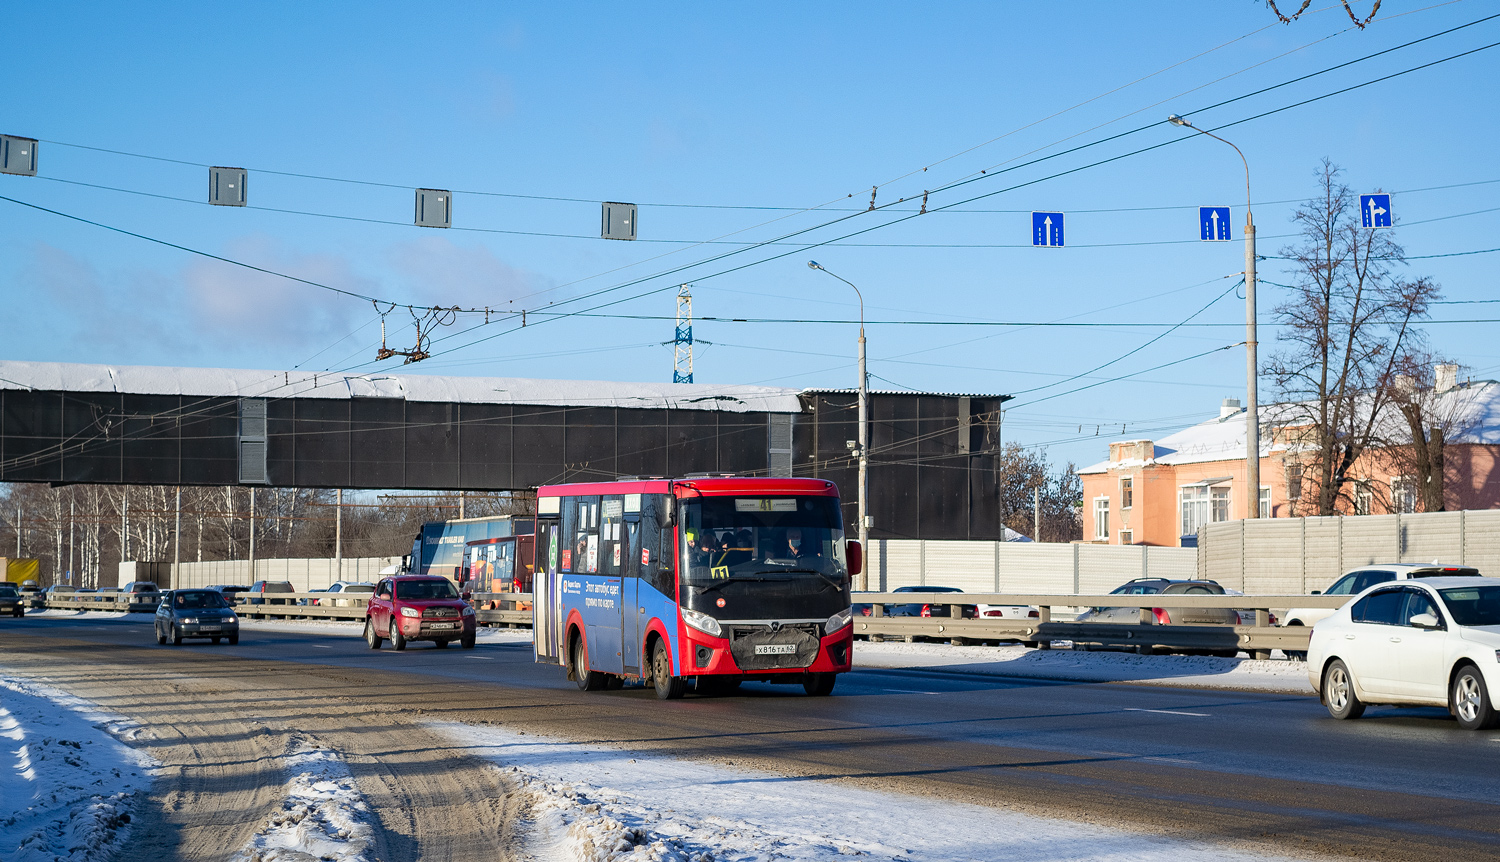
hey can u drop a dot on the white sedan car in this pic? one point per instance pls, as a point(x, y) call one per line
point(1428, 642)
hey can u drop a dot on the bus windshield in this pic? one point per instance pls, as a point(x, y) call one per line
point(762, 538)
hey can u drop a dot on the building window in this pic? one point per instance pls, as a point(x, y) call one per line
point(1294, 481)
point(1403, 494)
point(1362, 498)
point(1219, 497)
point(1265, 502)
point(1127, 493)
point(1101, 519)
point(1127, 537)
point(1194, 504)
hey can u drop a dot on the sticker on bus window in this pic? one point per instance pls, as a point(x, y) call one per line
point(616, 555)
point(593, 553)
point(567, 558)
point(763, 504)
point(613, 508)
point(645, 556)
point(719, 572)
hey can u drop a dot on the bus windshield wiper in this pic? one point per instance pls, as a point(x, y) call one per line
point(720, 582)
point(836, 584)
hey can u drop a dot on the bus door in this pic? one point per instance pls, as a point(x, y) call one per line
point(631, 613)
point(603, 605)
point(546, 614)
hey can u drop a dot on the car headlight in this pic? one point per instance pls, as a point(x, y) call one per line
point(410, 612)
point(702, 622)
point(231, 618)
point(468, 611)
point(191, 621)
point(838, 620)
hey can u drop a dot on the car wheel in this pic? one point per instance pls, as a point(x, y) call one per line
point(441, 643)
point(1295, 655)
point(20, 612)
point(668, 687)
point(234, 639)
point(176, 636)
point(587, 680)
point(819, 684)
point(1469, 701)
point(161, 638)
point(1338, 692)
point(467, 641)
point(398, 640)
point(372, 639)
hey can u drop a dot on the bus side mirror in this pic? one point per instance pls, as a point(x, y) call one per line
point(856, 555)
point(667, 517)
point(467, 595)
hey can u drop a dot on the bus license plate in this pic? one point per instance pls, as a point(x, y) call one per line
point(775, 649)
point(440, 625)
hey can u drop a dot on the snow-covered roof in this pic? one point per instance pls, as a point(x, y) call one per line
point(227, 382)
point(1473, 411)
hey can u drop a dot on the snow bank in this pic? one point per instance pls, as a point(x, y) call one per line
point(1182, 670)
point(591, 803)
point(68, 783)
point(324, 816)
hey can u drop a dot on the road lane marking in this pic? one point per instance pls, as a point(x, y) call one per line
point(911, 691)
point(1168, 712)
point(321, 646)
point(480, 657)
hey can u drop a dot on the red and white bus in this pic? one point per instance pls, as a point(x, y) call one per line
point(714, 580)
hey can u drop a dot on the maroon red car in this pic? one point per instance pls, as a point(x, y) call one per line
point(418, 608)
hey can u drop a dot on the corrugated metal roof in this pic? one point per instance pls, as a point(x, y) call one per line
point(907, 392)
point(226, 382)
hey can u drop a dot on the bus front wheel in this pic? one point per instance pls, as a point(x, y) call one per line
point(668, 687)
point(588, 680)
point(819, 684)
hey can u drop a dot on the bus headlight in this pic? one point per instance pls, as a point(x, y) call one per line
point(838, 620)
point(702, 622)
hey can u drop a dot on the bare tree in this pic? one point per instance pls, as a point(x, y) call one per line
point(1023, 473)
point(1346, 325)
point(1431, 408)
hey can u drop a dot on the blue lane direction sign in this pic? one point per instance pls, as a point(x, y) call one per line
point(1047, 229)
point(1374, 211)
point(1213, 223)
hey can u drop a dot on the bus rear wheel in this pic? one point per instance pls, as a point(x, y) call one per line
point(588, 680)
point(668, 687)
point(819, 684)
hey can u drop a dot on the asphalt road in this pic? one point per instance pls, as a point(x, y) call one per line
point(1268, 771)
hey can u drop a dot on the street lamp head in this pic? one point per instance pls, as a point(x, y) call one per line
point(1178, 121)
point(812, 264)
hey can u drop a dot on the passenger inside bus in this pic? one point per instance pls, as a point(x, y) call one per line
point(752, 538)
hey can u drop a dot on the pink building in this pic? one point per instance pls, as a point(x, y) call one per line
point(1159, 492)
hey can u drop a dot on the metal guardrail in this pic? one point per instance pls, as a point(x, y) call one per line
point(514, 610)
point(1145, 636)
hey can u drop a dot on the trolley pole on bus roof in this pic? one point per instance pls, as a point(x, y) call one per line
point(861, 446)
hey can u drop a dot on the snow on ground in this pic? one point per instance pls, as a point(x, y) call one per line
point(324, 816)
point(592, 803)
point(1279, 675)
point(68, 783)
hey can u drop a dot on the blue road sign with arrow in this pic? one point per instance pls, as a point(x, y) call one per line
point(1374, 211)
point(1213, 223)
point(1047, 229)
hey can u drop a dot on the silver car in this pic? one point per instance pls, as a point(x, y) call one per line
point(1166, 615)
point(195, 614)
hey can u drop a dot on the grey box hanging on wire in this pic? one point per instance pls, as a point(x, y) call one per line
point(434, 208)
point(17, 156)
point(617, 221)
point(226, 187)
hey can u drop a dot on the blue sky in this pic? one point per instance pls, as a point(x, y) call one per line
point(763, 105)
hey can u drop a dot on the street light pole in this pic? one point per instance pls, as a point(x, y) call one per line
point(863, 444)
point(1252, 410)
